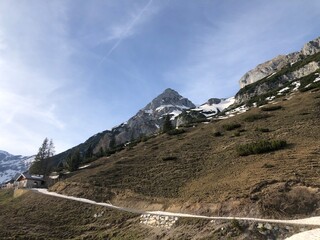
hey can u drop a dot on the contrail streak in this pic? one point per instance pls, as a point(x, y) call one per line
point(125, 32)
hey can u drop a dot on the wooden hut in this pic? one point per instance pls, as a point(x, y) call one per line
point(25, 180)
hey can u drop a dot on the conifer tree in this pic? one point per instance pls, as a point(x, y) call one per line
point(167, 125)
point(73, 161)
point(40, 164)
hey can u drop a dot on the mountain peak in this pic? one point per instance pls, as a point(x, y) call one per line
point(170, 90)
point(169, 93)
point(169, 98)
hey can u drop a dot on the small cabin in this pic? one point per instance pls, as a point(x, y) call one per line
point(25, 180)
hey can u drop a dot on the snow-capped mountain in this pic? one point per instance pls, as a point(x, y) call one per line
point(169, 102)
point(204, 112)
point(148, 120)
point(11, 164)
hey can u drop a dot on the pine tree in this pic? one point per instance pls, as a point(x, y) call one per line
point(89, 152)
point(40, 164)
point(73, 161)
point(112, 143)
point(167, 125)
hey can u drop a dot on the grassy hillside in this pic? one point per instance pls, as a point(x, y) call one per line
point(30, 215)
point(201, 171)
point(37, 216)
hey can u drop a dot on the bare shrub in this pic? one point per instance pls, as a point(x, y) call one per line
point(298, 201)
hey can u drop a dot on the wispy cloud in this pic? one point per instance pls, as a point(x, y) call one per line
point(34, 57)
point(233, 42)
point(50, 50)
point(119, 33)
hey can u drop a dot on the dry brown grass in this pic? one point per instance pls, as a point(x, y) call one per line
point(207, 169)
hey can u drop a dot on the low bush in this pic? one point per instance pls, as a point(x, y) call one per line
point(254, 117)
point(231, 126)
point(169, 158)
point(268, 165)
point(176, 131)
point(217, 134)
point(271, 108)
point(289, 203)
point(259, 147)
point(262, 130)
point(237, 134)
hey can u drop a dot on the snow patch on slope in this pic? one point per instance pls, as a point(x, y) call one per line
point(225, 103)
point(10, 165)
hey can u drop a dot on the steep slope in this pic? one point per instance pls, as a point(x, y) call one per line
point(10, 165)
point(200, 171)
point(272, 66)
point(146, 122)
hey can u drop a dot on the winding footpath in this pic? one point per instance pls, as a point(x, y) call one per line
point(307, 235)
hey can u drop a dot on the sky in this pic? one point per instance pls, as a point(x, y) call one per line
point(72, 68)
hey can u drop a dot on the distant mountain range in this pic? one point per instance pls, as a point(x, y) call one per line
point(11, 164)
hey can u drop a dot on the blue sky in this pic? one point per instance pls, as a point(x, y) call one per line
point(72, 68)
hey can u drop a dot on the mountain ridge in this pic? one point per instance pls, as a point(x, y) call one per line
point(276, 64)
point(11, 164)
point(146, 122)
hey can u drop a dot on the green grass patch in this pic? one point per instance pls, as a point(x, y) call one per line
point(259, 147)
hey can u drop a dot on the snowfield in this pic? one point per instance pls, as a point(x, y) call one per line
point(214, 107)
point(307, 235)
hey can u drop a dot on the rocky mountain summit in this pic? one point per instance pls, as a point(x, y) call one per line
point(148, 120)
point(11, 164)
point(266, 79)
point(266, 69)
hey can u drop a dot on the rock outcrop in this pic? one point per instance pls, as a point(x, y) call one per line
point(159, 221)
point(272, 66)
point(302, 72)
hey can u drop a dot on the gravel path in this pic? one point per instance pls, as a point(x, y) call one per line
point(307, 235)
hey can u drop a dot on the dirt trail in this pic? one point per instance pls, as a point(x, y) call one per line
point(313, 221)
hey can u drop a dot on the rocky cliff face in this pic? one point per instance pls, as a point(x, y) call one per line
point(148, 120)
point(266, 69)
point(279, 72)
point(302, 72)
